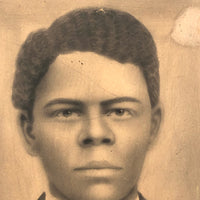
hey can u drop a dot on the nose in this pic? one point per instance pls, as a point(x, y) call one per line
point(96, 132)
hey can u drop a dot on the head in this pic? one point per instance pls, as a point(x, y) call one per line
point(88, 93)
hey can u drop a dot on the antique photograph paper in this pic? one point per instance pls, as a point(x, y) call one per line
point(100, 100)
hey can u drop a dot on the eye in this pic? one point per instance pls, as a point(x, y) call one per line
point(120, 113)
point(71, 114)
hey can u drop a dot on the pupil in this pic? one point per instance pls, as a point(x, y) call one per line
point(67, 112)
point(120, 112)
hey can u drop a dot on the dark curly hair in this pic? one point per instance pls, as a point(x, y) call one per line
point(108, 32)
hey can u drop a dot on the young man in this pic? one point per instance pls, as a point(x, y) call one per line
point(88, 93)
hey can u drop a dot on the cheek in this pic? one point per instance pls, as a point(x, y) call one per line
point(135, 131)
point(132, 139)
point(54, 143)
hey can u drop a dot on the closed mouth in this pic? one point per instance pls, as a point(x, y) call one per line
point(97, 165)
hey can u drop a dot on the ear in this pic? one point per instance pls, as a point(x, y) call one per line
point(156, 118)
point(29, 139)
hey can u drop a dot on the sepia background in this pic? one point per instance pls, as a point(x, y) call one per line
point(172, 168)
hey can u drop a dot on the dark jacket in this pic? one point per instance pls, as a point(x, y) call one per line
point(43, 196)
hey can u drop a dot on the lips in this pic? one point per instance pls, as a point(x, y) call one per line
point(98, 165)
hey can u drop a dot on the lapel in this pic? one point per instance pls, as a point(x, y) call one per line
point(140, 196)
point(43, 196)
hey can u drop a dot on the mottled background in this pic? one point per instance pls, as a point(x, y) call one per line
point(172, 169)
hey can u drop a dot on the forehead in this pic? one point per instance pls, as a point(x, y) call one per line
point(89, 76)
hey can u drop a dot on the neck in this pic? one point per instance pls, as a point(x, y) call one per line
point(132, 195)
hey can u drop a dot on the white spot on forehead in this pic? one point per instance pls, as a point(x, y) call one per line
point(100, 10)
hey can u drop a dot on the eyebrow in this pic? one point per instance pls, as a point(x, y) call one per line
point(81, 104)
point(64, 101)
point(120, 100)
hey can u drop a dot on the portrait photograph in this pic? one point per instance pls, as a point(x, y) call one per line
point(100, 100)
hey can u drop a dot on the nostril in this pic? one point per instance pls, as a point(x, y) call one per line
point(106, 140)
point(87, 141)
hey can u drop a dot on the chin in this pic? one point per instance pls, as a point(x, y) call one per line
point(98, 191)
point(101, 192)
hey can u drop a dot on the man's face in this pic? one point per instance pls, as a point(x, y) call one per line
point(92, 126)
